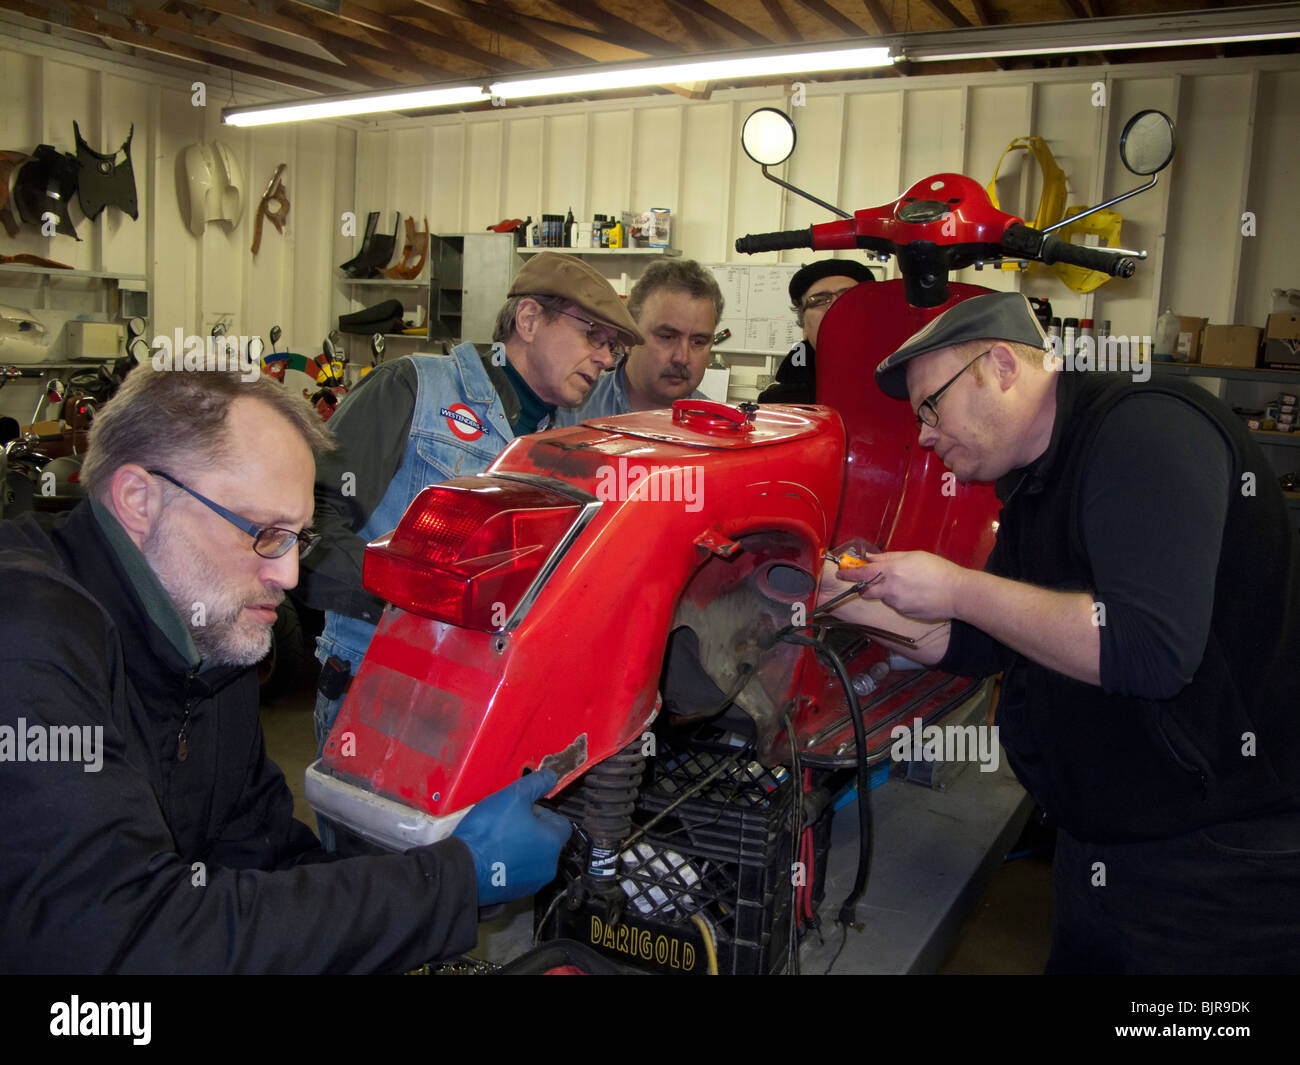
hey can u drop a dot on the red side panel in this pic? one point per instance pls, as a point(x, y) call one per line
point(894, 493)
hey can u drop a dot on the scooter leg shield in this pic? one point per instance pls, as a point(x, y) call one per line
point(355, 267)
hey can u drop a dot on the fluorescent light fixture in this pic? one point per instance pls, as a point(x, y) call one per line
point(1236, 25)
point(369, 103)
point(1075, 47)
point(630, 77)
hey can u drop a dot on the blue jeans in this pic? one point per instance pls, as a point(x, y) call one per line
point(1222, 899)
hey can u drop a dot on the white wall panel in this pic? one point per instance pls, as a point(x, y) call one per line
point(521, 172)
point(482, 176)
point(445, 193)
point(1271, 259)
point(1131, 305)
point(934, 133)
point(563, 161)
point(816, 164)
point(611, 161)
point(1204, 214)
point(702, 223)
point(656, 159)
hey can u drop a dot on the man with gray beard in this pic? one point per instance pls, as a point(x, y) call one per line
point(138, 617)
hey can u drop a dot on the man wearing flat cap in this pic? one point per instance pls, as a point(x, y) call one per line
point(426, 418)
point(1142, 601)
point(813, 289)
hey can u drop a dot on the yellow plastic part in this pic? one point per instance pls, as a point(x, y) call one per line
point(1105, 225)
point(1051, 201)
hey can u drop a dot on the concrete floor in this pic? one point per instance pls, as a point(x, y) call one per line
point(1007, 932)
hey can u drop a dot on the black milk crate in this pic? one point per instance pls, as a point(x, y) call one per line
point(723, 854)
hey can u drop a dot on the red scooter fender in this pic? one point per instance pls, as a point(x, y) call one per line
point(439, 716)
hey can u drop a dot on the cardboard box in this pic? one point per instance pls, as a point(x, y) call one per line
point(1230, 345)
point(1188, 348)
point(1282, 342)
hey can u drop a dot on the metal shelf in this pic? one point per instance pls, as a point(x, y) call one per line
point(102, 275)
point(603, 251)
point(383, 282)
point(1268, 436)
point(1228, 373)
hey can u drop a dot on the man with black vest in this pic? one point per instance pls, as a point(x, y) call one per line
point(1142, 601)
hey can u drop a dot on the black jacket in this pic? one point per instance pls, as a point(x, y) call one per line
point(796, 377)
point(155, 863)
point(1118, 767)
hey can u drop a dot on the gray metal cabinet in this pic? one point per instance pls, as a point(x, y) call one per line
point(469, 276)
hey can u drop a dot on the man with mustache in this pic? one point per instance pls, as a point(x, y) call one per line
point(677, 305)
point(132, 624)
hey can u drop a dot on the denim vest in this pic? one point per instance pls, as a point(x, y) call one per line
point(436, 450)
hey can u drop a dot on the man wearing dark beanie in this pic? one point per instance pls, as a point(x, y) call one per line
point(812, 291)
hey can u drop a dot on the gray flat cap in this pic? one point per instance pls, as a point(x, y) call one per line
point(995, 316)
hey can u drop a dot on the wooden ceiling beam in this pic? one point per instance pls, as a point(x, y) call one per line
point(721, 18)
point(562, 43)
point(635, 36)
point(85, 20)
point(494, 22)
point(182, 23)
point(700, 31)
point(404, 52)
point(945, 10)
point(834, 16)
point(878, 15)
point(783, 21)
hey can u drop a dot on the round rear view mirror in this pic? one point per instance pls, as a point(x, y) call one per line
point(275, 335)
point(138, 350)
point(1147, 144)
point(255, 349)
point(768, 136)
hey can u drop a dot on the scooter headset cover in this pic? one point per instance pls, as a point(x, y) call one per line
point(103, 183)
point(995, 316)
point(47, 183)
point(210, 186)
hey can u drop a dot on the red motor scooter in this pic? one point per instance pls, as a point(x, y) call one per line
point(545, 612)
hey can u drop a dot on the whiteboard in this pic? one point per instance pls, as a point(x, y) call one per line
point(757, 308)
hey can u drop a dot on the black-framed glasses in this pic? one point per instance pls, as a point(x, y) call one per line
point(928, 412)
point(599, 335)
point(269, 541)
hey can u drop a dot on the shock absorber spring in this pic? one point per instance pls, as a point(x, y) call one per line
point(609, 793)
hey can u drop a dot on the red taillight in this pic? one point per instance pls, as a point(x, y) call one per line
point(466, 551)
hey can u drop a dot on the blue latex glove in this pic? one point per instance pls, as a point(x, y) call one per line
point(515, 845)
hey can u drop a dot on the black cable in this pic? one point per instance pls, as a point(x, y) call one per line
point(791, 634)
point(792, 956)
